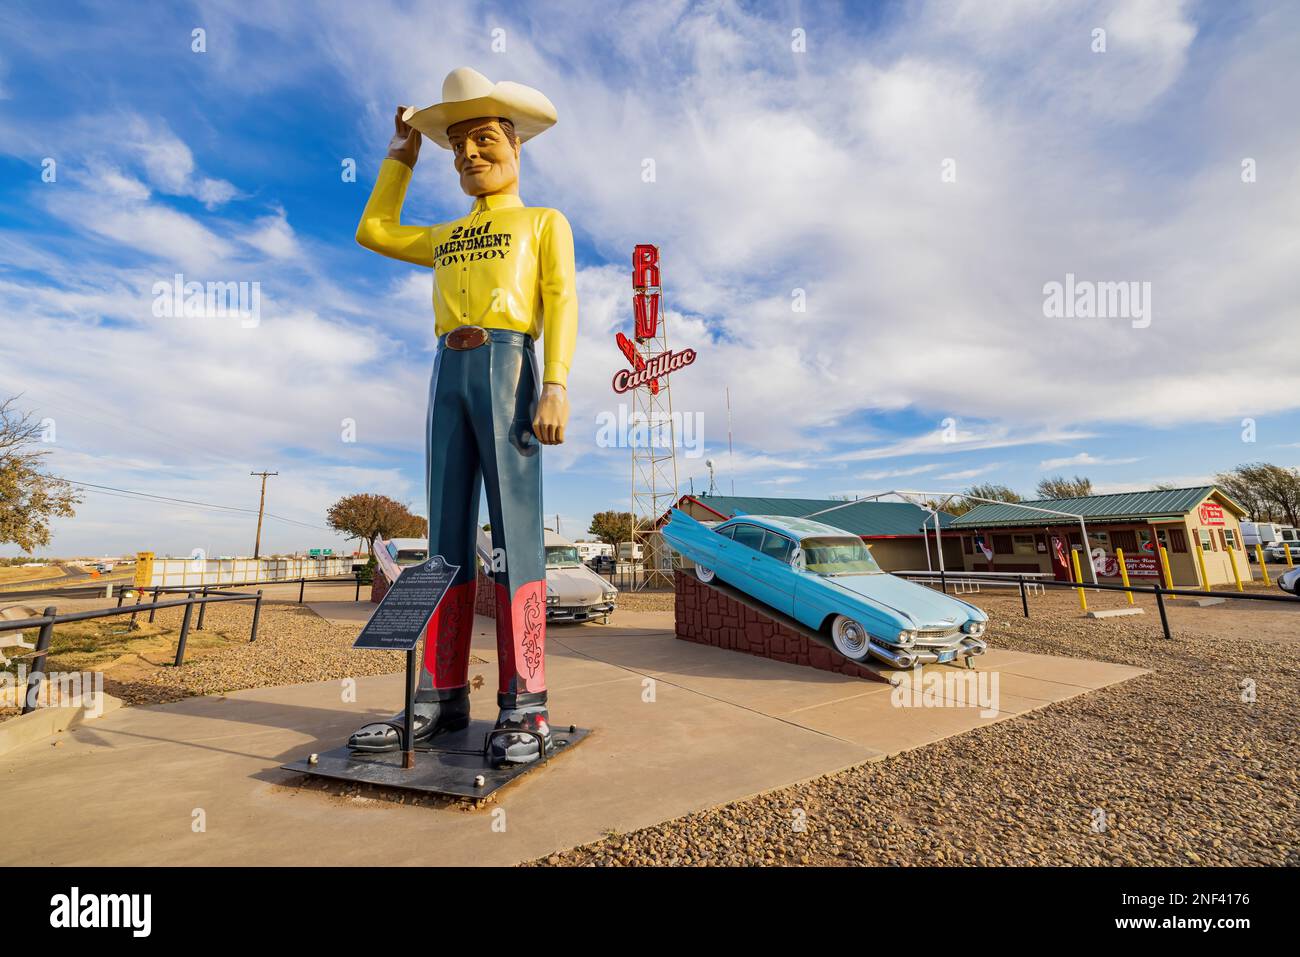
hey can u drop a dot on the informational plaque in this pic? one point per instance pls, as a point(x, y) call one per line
point(399, 621)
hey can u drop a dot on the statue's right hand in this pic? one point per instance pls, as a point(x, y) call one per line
point(405, 144)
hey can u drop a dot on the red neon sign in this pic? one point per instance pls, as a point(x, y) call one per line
point(645, 280)
point(645, 310)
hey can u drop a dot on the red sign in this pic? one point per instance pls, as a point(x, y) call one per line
point(645, 280)
point(638, 361)
point(1211, 514)
point(661, 364)
point(645, 309)
point(1142, 566)
point(645, 266)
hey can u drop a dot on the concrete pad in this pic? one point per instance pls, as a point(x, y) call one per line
point(1208, 602)
point(42, 723)
point(874, 721)
point(1081, 672)
point(1115, 613)
point(723, 726)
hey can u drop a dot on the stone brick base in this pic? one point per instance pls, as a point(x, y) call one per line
point(485, 596)
point(708, 617)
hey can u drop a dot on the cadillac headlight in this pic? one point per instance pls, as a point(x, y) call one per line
point(975, 628)
point(552, 598)
point(906, 638)
point(610, 595)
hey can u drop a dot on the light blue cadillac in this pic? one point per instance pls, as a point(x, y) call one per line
point(827, 580)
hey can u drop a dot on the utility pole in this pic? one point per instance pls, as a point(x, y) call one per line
point(257, 545)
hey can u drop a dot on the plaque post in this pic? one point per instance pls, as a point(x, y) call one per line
point(408, 750)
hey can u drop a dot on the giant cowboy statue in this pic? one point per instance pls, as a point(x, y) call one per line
point(503, 275)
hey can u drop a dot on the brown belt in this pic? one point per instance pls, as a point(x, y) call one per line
point(467, 337)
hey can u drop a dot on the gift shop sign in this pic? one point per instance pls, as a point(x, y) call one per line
point(645, 325)
point(1211, 514)
point(1142, 566)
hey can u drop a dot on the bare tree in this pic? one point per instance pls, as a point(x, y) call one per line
point(1058, 486)
point(1271, 493)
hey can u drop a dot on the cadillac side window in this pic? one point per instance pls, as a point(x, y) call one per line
point(778, 547)
point(751, 536)
point(727, 532)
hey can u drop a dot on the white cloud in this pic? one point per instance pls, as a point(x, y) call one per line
point(818, 172)
point(967, 474)
point(1083, 458)
point(169, 164)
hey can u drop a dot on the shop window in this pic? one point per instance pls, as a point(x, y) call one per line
point(1229, 538)
point(1002, 545)
point(1178, 539)
point(1075, 540)
point(1207, 540)
point(1024, 544)
point(1125, 539)
point(967, 545)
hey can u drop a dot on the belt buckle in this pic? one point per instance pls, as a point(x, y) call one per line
point(467, 337)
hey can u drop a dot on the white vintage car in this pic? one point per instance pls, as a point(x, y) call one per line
point(573, 591)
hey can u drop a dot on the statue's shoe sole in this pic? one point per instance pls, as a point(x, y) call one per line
point(393, 741)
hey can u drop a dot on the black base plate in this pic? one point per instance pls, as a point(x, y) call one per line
point(447, 766)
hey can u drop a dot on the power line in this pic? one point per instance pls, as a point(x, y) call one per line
point(107, 489)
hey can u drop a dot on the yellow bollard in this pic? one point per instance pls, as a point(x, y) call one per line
point(1078, 576)
point(1259, 553)
point(1123, 572)
point(1286, 550)
point(1236, 574)
point(1200, 558)
point(1164, 563)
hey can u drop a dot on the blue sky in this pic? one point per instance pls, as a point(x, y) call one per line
point(921, 172)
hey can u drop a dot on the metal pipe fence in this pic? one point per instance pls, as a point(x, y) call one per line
point(51, 617)
point(1158, 591)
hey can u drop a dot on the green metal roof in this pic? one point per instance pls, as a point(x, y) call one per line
point(871, 519)
point(1122, 505)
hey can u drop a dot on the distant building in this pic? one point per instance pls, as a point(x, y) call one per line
point(894, 531)
point(1007, 537)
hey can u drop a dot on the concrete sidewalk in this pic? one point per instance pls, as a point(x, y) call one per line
point(677, 727)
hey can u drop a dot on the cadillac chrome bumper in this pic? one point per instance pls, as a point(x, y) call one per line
point(920, 655)
point(578, 612)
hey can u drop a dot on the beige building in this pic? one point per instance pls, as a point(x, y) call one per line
point(1008, 537)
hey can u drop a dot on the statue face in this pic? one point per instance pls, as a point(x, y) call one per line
point(485, 157)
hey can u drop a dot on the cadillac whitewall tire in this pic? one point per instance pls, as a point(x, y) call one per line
point(704, 574)
point(850, 638)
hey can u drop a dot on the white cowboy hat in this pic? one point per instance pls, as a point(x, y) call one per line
point(467, 95)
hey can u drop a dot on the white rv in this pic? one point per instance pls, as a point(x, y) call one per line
point(1259, 533)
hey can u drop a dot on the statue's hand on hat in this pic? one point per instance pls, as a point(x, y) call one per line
point(405, 144)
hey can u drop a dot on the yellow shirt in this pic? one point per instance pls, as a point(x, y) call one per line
point(504, 266)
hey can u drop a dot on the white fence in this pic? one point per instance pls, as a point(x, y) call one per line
point(181, 572)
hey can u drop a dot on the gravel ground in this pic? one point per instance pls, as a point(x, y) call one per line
point(293, 645)
point(1186, 772)
point(645, 600)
